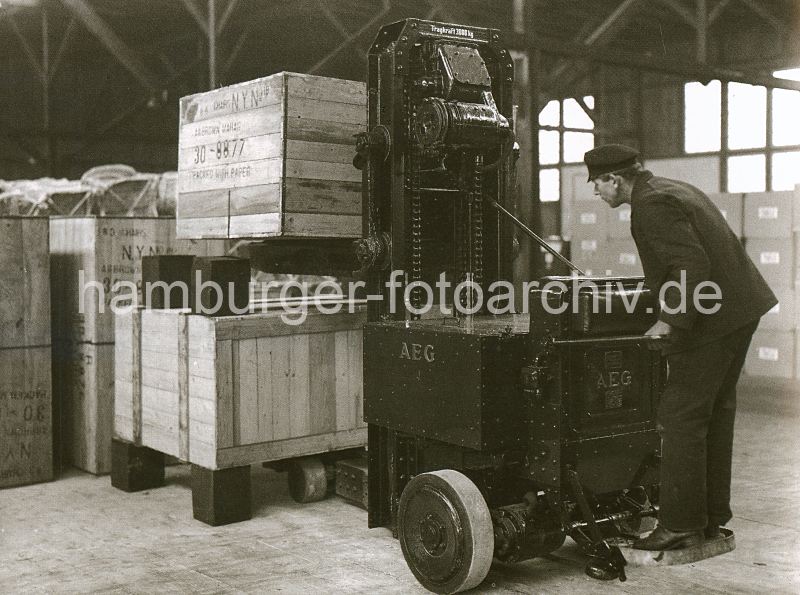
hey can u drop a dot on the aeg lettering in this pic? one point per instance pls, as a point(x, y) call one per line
point(417, 352)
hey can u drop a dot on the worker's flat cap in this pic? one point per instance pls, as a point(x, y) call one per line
point(609, 158)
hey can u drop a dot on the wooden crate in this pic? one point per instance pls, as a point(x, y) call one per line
point(271, 157)
point(84, 379)
point(228, 392)
point(26, 429)
point(24, 282)
point(107, 250)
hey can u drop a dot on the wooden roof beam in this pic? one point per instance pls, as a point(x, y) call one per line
point(717, 11)
point(30, 54)
point(351, 38)
point(679, 9)
point(197, 15)
point(113, 43)
point(766, 14)
point(201, 19)
point(601, 35)
point(613, 24)
point(62, 48)
point(223, 20)
point(333, 19)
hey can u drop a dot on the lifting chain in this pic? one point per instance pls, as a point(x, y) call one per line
point(476, 223)
point(461, 232)
point(412, 192)
point(416, 225)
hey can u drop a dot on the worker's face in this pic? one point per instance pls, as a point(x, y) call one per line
point(607, 187)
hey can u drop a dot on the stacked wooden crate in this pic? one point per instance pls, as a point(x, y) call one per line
point(89, 256)
point(223, 392)
point(26, 429)
point(271, 157)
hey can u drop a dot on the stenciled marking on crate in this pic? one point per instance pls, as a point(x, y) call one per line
point(24, 417)
point(129, 246)
point(235, 99)
point(227, 176)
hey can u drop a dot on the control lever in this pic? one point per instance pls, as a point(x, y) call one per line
point(614, 340)
point(536, 238)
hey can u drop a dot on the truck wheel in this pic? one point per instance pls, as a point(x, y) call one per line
point(308, 481)
point(445, 531)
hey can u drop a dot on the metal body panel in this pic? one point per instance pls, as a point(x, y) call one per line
point(614, 462)
point(457, 387)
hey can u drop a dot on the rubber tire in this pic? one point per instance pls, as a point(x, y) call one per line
point(308, 481)
point(475, 519)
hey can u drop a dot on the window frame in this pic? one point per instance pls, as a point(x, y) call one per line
point(725, 152)
point(562, 129)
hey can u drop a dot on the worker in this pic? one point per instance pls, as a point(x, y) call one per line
point(689, 252)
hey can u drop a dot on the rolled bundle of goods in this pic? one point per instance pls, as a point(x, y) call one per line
point(119, 190)
point(67, 197)
point(135, 196)
point(43, 197)
point(103, 175)
point(14, 203)
point(167, 193)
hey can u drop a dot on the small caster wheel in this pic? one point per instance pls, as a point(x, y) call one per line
point(445, 531)
point(308, 480)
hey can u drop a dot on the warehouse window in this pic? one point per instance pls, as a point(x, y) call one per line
point(785, 170)
point(703, 121)
point(747, 173)
point(747, 116)
point(760, 145)
point(566, 132)
point(785, 123)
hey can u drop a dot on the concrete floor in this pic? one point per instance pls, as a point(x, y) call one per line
point(79, 535)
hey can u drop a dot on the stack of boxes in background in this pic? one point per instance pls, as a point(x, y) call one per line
point(601, 241)
point(768, 237)
point(769, 225)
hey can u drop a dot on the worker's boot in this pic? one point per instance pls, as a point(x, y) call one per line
point(664, 539)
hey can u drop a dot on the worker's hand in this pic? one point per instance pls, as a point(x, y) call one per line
point(659, 329)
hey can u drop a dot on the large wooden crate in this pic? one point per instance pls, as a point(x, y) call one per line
point(26, 428)
point(271, 157)
point(107, 250)
point(24, 282)
point(228, 392)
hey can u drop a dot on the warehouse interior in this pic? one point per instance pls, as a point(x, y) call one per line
point(95, 124)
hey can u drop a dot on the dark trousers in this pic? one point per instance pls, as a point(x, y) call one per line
point(695, 419)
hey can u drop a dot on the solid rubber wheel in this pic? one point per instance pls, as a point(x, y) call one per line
point(307, 480)
point(445, 531)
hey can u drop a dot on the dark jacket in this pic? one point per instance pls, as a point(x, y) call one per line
point(677, 228)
